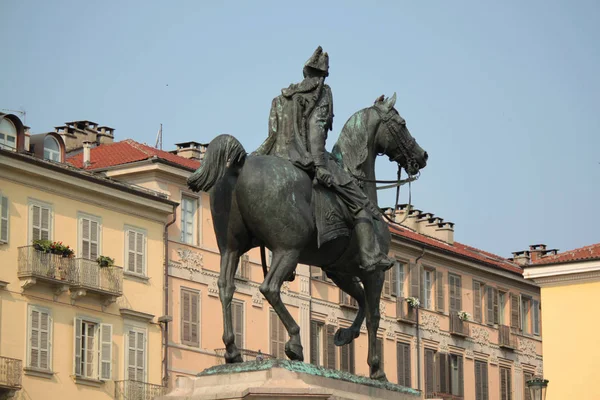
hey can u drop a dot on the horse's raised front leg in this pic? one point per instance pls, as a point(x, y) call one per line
point(284, 262)
point(373, 283)
point(229, 262)
point(353, 288)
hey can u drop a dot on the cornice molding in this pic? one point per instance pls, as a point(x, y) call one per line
point(571, 278)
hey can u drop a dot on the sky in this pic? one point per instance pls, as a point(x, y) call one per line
point(503, 95)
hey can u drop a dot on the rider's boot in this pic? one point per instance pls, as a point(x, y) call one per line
point(371, 256)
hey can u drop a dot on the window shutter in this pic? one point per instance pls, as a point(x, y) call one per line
point(439, 281)
point(495, 305)
point(423, 294)
point(478, 385)
point(274, 334)
point(379, 350)
point(131, 251)
point(85, 238)
point(505, 384)
point(3, 219)
point(40, 222)
point(400, 363)
point(139, 253)
point(185, 317)
point(238, 324)
point(401, 277)
point(344, 364)
point(514, 311)
point(526, 377)
point(442, 373)
point(452, 290)
point(414, 280)
point(489, 305)
point(484, 381)
point(105, 352)
point(45, 340)
point(461, 377)
point(458, 292)
point(387, 283)
point(351, 355)
point(77, 346)
point(477, 301)
point(394, 279)
point(407, 369)
point(429, 372)
point(330, 347)
point(314, 346)
point(131, 356)
point(195, 319)
point(136, 356)
point(94, 238)
point(40, 324)
point(536, 317)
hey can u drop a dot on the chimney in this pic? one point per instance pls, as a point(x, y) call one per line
point(411, 220)
point(105, 135)
point(87, 153)
point(444, 231)
point(191, 150)
point(422, 221)
point(27, 138)
point(521, 257)
point(537, 251)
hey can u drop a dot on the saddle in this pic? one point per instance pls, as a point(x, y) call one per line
point(332, 217)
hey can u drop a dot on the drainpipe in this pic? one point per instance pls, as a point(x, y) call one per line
point(418, 334)
point(165, 319)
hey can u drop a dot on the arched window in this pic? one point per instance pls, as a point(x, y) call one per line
point(51, 149)
point(8, 135)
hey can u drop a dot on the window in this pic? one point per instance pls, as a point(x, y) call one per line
point(525, 316)
point(429, 373)
point(439, 291)
point(535, 315)
point(93, 349)
point(426, 300)
point(481, 380)
point(3, 219)
point(505, 384)
point(136, 354)
point(188, 220)
point(39, 341)
point(501, 306)
point(414, 280)
point(89, 237)
point(347, 357)
point(403, 361)
point(454, 284)
point(40, 222)
point(278, 337)
point(450, 374)
point(491, 303)
point(51, 149)
point(237, 313)
point(477, 297)
point(514, 311)
point(394, 281)
point(317, 341)
point(190, 318)
point(527, 376)
point(135, 245)
point(8, 135)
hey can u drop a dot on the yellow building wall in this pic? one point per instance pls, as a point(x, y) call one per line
point(141, 295)
point(571, 353)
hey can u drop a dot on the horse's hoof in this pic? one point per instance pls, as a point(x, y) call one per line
point(233, 358)
point(294, 351)
point(379, 376)
point(344, 336)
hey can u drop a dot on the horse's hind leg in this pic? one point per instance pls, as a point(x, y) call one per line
point(229, 262)
point(373, 283)
point(284, 262)
point(353, 288)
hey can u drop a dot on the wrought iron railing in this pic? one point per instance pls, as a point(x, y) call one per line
point(135, 390)
point(446, 396)
point(506, 338)
point(247, 355)
point(10, 372)
point(457, 325)
point(37, 264)
point(88, 274)
point(347, 301)
point(404, 312)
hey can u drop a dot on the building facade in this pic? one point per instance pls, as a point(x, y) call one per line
point(72, 326)
point(570, 286)
point(488, 357)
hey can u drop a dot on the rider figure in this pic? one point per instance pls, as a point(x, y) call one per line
point(298, 124)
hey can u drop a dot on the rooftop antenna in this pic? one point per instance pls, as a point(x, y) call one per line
point(22, 112)
point(158, 144)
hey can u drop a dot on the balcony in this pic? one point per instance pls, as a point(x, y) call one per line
point(458, 327)
point(79, 275)
point(446, 396)
point(87, 277)
point(10, 375)
point(404, 312)
point(247, 355)
point(347, 301)
point(505, 338)
point(135, 390)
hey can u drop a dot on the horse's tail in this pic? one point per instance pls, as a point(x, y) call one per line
point(223, 152)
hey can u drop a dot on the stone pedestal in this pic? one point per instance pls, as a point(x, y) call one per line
point(284, 380)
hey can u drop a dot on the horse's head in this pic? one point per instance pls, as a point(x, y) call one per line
point(394, 140)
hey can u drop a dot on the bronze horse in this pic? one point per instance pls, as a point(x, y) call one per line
point(266, 201)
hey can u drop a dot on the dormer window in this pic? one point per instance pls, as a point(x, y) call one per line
point(8, 135)
point(51, 149)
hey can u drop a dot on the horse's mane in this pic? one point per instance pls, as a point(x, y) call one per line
point(351, 148)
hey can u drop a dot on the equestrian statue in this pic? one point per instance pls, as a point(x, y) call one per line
point(307, 205)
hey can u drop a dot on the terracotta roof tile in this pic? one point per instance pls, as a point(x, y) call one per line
point(125, 152)
point(590, 252)
point(457, 249)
